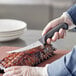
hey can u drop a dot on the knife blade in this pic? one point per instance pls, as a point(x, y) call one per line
point(43, 39)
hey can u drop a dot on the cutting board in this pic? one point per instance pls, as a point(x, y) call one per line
point(58, 54)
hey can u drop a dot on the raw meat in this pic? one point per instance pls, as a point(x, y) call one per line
point(30, 57)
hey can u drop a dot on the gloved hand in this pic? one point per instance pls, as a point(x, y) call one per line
point(26, 71)
point(63, 18)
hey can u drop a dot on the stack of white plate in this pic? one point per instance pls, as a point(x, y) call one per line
point(11, 29)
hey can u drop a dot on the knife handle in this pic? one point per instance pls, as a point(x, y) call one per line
point(55, 29)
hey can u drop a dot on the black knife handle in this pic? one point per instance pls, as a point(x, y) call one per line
point(52, 31)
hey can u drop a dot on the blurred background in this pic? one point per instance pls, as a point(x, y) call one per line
point(36, 13)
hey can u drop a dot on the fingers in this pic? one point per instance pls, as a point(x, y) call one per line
point(18, 71)
point(9, 74)
point(49, 40)
point(12, 71)
point(62, 33)
point(57, 35)
point(24, 71)
point(12, 68)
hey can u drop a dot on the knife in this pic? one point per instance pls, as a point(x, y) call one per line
point(43, 39)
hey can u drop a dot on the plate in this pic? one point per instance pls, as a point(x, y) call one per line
point(11, 29)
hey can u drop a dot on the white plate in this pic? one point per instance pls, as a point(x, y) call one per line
point(10, 25)
point(11, 29)
point(4, 34)
point(9, 38)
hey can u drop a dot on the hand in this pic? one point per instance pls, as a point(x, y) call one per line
point(57, 35)
point(25, 71)
point(55, 22)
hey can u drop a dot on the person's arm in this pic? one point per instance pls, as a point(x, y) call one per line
point(68, 17)
point(72, 13)
point(65, 66)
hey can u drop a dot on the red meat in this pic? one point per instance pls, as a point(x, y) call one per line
point(30, 57)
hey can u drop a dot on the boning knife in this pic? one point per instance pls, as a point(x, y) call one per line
point(43, 39)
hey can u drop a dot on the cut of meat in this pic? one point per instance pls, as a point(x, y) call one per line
point(30, 57)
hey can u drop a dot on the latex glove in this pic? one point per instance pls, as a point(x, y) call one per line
point(63, 18)
point(26, 71)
